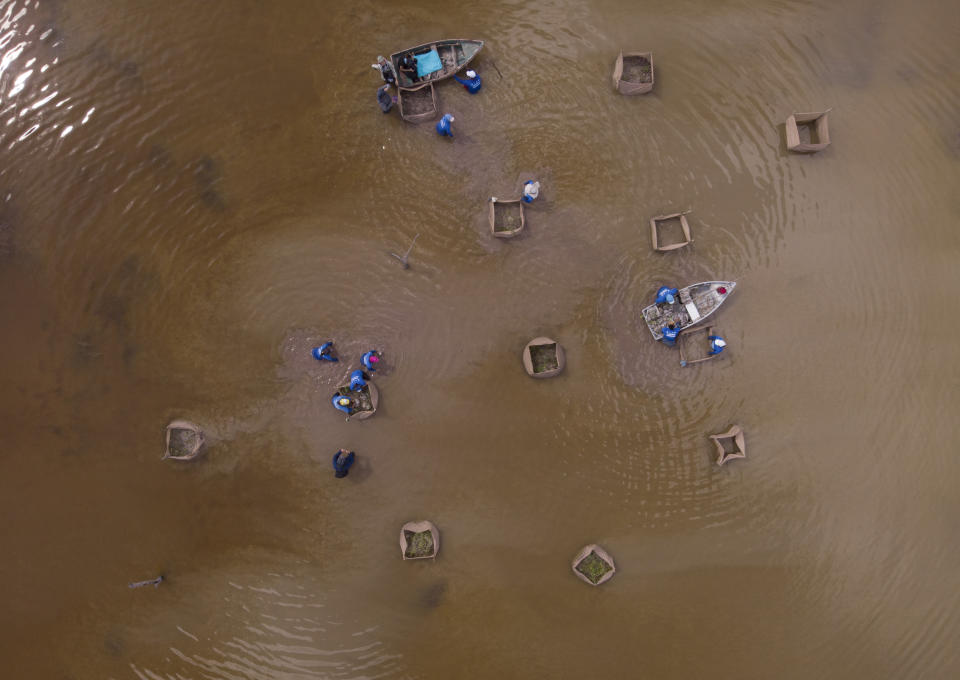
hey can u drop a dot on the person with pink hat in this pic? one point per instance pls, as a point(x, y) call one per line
point(371, 359)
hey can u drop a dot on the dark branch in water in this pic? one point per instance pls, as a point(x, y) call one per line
point(152, 582)
point(404, 260)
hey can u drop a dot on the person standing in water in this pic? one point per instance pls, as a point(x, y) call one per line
point(342, 403)
point(670, 334)
point(324, 352)
point(473, 83)
point(717, 343)
point(665, 294)
point(342, 460)
point(357, 381)
point(384, 98)
point(443, 127)
point(386, 70)
point(370, 360)
point(531, 190)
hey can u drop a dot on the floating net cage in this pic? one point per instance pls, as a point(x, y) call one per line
point(593, 565)
point(419, 540)
point(543, 358)
point(418, 104)
point(506, 217)
point(365, 400)
point(675, 223)
point(633, 73)
point(808, 132)
point(184, 440)
point(695, 346)
point(730, 444)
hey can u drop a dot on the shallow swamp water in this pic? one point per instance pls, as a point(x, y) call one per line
point(193, 195)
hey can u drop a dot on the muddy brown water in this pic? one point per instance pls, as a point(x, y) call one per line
point(195, 194)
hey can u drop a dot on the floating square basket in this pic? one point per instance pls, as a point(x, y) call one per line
point(506, 217)
point(659, 222)
point(418, 104)
point(593, 565)
point(633, 73)
point(184, 440)
point(419, 540)
point(734, 438)
point(543, 358)
point(695, 346)
point(808, 132)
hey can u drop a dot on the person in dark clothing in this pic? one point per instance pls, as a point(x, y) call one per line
point(384, 98)
point(386, 71)
point(408, 66)
point(342, 460)
point(324, 352)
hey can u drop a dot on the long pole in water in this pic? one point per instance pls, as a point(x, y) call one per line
point(406, 256)
point(494, 64)
point(151, 582)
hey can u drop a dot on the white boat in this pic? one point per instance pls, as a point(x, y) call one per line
point(693, 304)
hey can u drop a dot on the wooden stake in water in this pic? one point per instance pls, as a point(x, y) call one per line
point(155, 582)
point(404, 260)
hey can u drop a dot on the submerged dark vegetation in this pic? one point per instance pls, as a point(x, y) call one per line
point(419, 543)
point(637, 70)
point(183, 442)
point(506, 216)
point(544, 357)
point(593, 567)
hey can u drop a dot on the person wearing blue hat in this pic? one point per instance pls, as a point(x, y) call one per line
point(443, 127)
point(324, 352)
point(670, 334)
point(342, 460)
point(357, 381)
point(717, 343)
point(472, 83)
point(665, 294)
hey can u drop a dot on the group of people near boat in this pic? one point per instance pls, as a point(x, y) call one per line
point(407, 65)
point(668, 295)
point(342, 460)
